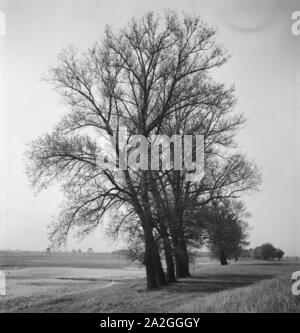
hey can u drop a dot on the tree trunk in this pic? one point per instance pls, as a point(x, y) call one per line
point(181, 254)
point(154, 270)
point(181, 263)
point(168, 252)
point(169, 262)
point(163, 231)
point(223, 259)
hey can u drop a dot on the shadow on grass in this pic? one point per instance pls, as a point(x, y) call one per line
point(220, 282)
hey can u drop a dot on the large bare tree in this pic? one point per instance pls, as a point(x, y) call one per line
point(144, 77)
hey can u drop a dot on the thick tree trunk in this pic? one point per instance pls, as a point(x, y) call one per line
point(181, 263)
point(223, 259)
point(168, 252)
point(169, 262)
point(180, 257)
point(163, 231)
point(154, 270)
point(181, 254)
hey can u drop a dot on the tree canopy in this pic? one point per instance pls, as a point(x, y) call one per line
point(154, 78)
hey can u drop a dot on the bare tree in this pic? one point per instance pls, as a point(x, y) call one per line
point(143, 77)
point(226, 226)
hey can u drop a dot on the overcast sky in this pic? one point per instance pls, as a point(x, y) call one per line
point(263, 67)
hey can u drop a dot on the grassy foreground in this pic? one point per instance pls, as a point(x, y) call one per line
point(252, 286)
point(271, 296)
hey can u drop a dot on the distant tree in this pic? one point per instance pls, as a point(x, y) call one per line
point(258, 253)
point(133, 253)
point(90, 250)
point(48, 250)
point(265, 252)
point(240, 250)
point(246, 253)
point(226, 229)
point(279, 254)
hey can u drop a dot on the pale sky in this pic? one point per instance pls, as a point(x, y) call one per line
point(264, 68)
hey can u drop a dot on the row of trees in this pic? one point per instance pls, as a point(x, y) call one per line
point(74, 251)
point(221, 226)
point(155, 78)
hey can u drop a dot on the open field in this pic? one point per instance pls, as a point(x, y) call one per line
point(41, 259)
point(38, 282)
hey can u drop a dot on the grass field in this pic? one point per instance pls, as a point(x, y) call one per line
point(38, 282)
point(267, 296)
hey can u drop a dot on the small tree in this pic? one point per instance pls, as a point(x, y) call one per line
point(258, 253)
point(226, 229)
point(279, 254)
point(133, 253)
point(265, 252)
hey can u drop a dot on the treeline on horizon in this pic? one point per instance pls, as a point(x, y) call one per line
point(265, 251)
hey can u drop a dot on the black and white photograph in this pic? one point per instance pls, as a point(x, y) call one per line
point(150, 159)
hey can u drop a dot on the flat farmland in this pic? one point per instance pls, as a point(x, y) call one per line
point(61, 259)
point(105, 282)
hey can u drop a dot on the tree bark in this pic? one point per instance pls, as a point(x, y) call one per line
point(163, 231)
point(170, 264)
point(154, 270)
point(179, 241)
point(181, 263)
point(181, 254)
point(168, 251)
point(223, 259)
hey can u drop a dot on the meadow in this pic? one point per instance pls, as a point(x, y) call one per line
point(39, 282)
